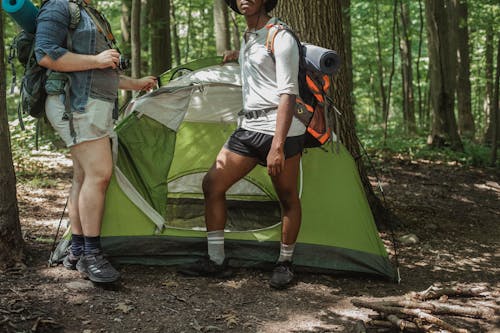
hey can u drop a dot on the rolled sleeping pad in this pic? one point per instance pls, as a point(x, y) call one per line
point(23, 12)
point(321, 59)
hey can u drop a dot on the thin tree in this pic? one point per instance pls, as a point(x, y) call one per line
point(422, 116)
point(466, 124)
point(346, 21)
point(221, 25)
point(125, 34)
point(322, 25)
point(406, 68)
point(235, 32)
point(393, 65)
point(496, 111)
point(444, 125)
point(11, 241)
point(174, 33)
point(161, 46)
point(380, 64)
point(489, 72)
point(135, 23)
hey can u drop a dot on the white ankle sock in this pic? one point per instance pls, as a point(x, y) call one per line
point(215, 241)
point(286, 252)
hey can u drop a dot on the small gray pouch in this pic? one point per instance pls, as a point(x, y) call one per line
point(56, 83)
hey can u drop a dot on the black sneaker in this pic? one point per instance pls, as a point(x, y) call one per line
point(97, 268)
point(282, 275)
point(208, 268)
point(70, 261)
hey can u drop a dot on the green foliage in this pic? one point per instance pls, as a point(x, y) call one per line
point(416, 148)
point(23, 144)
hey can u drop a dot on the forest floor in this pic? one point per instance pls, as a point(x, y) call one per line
point(450, 220)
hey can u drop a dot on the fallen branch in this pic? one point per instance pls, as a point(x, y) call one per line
point(402, 324)
point(436, 292)
point(422, 314)
point(442, 308)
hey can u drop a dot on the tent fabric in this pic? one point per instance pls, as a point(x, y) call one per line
point(166, 144)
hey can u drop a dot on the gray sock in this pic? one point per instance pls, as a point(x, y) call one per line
point(216, 246)
point(286, 252)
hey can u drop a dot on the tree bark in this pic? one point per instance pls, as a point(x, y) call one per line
point(175, 36)
point(221, 27)
point(444, 125)
point(235, 35)
point(125, 28)
point(136, 38)
point(489, 94)
point(346, 24)
point(146, 31)
point(11, 241)
point(406, 69)
point(161, 46)
point(380, 66)
point(466, 125)
point(321, 24)
point(496, 112)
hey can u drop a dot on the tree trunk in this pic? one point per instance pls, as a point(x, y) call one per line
point(466, 125)
point(322, 25)
point(235, 32)
point(11, 241)
point(488, 98)
point(221, 25)
point(444, 125)
point(190, 9)
point(161, 46)
point(136, 38)
point(346, 23)
point(175, 36)
point(406, 69)
point(380, 66)
point(146, 31)
point(495, 111)
point(125, 28)
point(421, 100)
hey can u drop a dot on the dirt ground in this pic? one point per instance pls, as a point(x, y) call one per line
point(450, 218)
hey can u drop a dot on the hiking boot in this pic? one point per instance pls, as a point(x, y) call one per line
point(70, 261)
point(97, 268)
point(282, 275)
point(208, 268)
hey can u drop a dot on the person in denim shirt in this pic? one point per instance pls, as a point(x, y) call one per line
point(86, 122)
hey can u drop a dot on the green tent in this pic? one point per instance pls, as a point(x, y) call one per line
point(167, 141)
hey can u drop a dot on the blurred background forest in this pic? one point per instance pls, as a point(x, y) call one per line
point(390, 45)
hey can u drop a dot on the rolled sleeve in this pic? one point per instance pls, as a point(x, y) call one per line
point(52, 29)
point(286, 53)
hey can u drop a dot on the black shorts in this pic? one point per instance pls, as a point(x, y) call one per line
point(257, 145)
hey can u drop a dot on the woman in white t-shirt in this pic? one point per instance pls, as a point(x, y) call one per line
point(268, 135)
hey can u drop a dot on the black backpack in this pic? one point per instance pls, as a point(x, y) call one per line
point(32, 89)
point(313, 102)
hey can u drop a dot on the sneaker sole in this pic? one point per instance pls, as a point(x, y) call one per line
point(95, 279)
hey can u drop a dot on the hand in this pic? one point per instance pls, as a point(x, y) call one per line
point(108, 58)
point(230, 55)
point(275, 161)
point(146, 83)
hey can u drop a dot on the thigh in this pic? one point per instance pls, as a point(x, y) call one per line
point(94, 157)
point(229, 167)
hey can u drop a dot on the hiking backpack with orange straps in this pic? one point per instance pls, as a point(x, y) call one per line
point(313, 102)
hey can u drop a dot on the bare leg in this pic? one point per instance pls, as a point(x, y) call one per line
point(228, 168)
point(95, 159)
point(286, 187)
point(74, 194)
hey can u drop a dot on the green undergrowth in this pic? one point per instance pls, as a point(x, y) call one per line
point(415, 148)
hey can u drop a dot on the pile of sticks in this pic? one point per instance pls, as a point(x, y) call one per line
point(420, 312)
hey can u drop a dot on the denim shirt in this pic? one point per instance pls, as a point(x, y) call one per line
point(52, 28)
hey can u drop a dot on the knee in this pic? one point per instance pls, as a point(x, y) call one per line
point(100, 177)
point(209, 186)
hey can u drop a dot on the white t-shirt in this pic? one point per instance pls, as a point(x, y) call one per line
point(263, 80)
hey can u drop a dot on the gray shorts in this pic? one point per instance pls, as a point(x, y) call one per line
point(95, 123)
point(257, 145)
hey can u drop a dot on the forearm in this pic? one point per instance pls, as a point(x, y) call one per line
point(70, 62)
point(128, 83)
point(283, 119)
